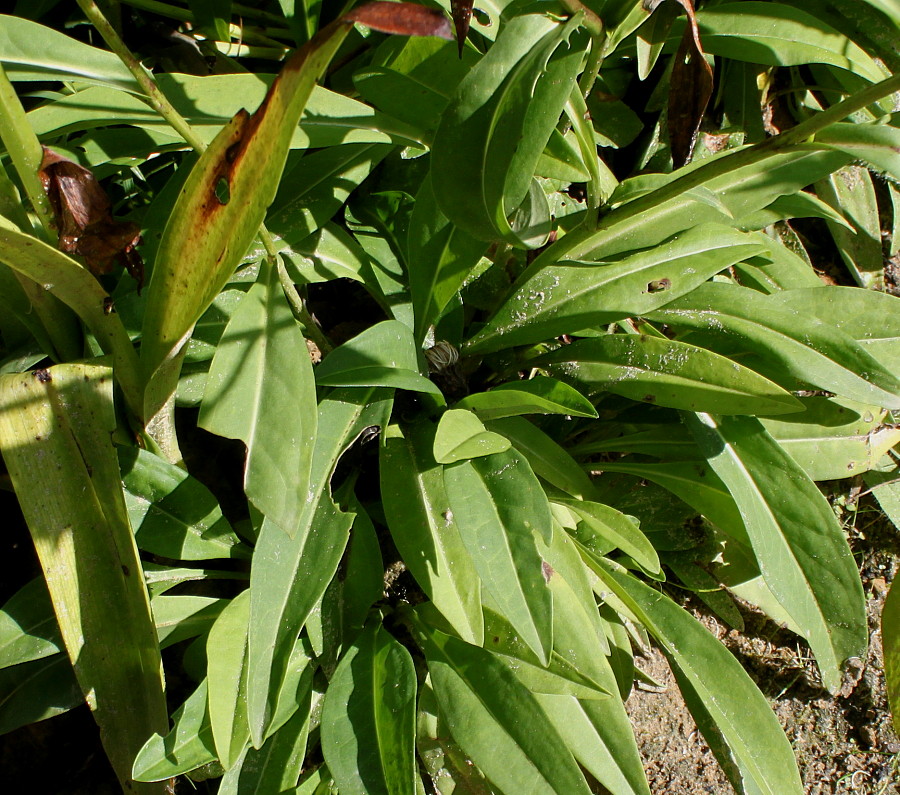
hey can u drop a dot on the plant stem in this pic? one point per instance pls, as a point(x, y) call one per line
point(158, 101)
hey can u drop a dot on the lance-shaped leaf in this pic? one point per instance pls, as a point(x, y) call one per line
point(670, 373)
point(875, 144)
point(501, 511)
point(515, 93)
point(538, 395)
point(226, 651)
point(369, 717)
point(890, 634)
point(732, 713)
point(37, 690)
point(425, 531)
point(798, 543)
point(28, 628)
point(497, 722)
point(260, 390)
point(55, 428)
point(289, 575)
point(442, 255)
point(188, 745)
point(789, 344)
point(566, 297)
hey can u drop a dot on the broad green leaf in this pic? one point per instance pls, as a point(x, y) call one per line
point(260, 390)
point(382, 355)
point(669, 373)
point(538, 395)
point(549, 460)
point(289, 575)
point(732, 713)
point(501, 512)
point(226, 651)
point(600, 523)
point(886, 490)
point(28, 628)
point(328, 254)
point(776, 34)
point(162, 578)
point(563, 298)
point(514, 93)
point(76, 514)
point(173, 514)
point(188, 744)
point(76, 287)
point(497, 722)
point(441, 255)
point(798, 543)
point(890, 637)
point(30, 51)
point(219, 210)
point(787, 342)
point(37, 690)
point(871, 318)
point(425, 530)
point(368, 717)
point(461, 435)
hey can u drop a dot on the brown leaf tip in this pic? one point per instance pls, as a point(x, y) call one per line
point(402, 19)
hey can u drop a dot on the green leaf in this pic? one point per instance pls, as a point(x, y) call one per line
point(173, 514)
point(188, 745)
point(740, 727)
point(37, 690)
point(787, 343)
point(461, 435)
point(600, 523)
point(890, 637)
point(29, 51)
point(226, 651)
point(368, 717)
point(28, 628)
point(538, 395)
point(501, 512)
point(670, 373)
point(184, 616)
point(76, 514)
point(547, 458)
point(514, 93)
point(780, 35)
point(443, 254)
point(563, 298)
point(289, 575)
point(382, 355)
point(425, 530)
point(798, 543)
point(260, 390)
point(875, 144)
point(497, 722)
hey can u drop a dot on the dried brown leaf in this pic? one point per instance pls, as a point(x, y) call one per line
point(84, 221)
point(404, 19)
point(461, 11)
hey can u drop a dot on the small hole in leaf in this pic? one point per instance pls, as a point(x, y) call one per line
point(223, 191)
point(481, 17)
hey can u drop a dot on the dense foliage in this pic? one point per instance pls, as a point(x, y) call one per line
point(515, 332)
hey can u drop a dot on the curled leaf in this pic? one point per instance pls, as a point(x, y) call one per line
point(403, 19)
point(84, 221)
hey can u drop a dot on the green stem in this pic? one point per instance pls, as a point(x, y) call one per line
point(158, 101)
point(186, 15)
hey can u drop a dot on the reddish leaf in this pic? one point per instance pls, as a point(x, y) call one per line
point(404, 19)
point(689, 90)
point(84, 221)
point(461, 10)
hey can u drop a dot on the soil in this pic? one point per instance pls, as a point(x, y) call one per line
point(843, 743)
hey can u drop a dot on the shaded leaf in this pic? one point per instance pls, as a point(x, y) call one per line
point(890, 637)
point(37, 690)
point(538, 395)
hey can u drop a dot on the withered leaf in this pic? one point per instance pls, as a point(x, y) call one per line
point(689, 90)
point(461, 11)
point(84, 221)
point(404, 19)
